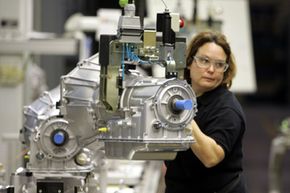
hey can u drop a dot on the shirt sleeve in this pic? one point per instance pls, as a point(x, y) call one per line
point(225, 126)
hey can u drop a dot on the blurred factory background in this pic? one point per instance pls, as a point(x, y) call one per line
point(259, 31)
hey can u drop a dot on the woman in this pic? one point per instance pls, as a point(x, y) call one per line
point(213, 164)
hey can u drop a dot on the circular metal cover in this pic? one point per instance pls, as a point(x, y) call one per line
point(169, 92)
point(49, 148)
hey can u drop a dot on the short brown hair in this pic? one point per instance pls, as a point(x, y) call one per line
point(219, 39)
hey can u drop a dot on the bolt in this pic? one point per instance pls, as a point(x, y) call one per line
point(157, 125)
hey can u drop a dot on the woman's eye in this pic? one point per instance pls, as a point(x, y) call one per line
point(220, 64)
point(205, 60)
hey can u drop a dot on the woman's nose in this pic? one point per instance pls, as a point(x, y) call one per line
point(211, 67)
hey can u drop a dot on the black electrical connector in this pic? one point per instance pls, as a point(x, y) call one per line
point(164, 26)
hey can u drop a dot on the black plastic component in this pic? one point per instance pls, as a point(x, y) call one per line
point(171, 75)
point(50, 187)
point(57, 104)
point(105, 48)
point(177, 39)
point(164, 26)
point(119, 85)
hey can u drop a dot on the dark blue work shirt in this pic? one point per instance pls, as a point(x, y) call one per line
point(220, 117)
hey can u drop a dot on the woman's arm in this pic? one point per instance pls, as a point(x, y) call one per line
point(206, 148)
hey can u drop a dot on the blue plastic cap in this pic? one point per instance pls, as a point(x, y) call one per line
point(183, 104)
point(59, 138)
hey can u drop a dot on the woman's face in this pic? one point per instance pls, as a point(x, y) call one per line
point(206, 79)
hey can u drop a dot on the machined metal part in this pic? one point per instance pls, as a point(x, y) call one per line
point(115, 109)
point(151, 128)
point(129, 26)
point(79, 95)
